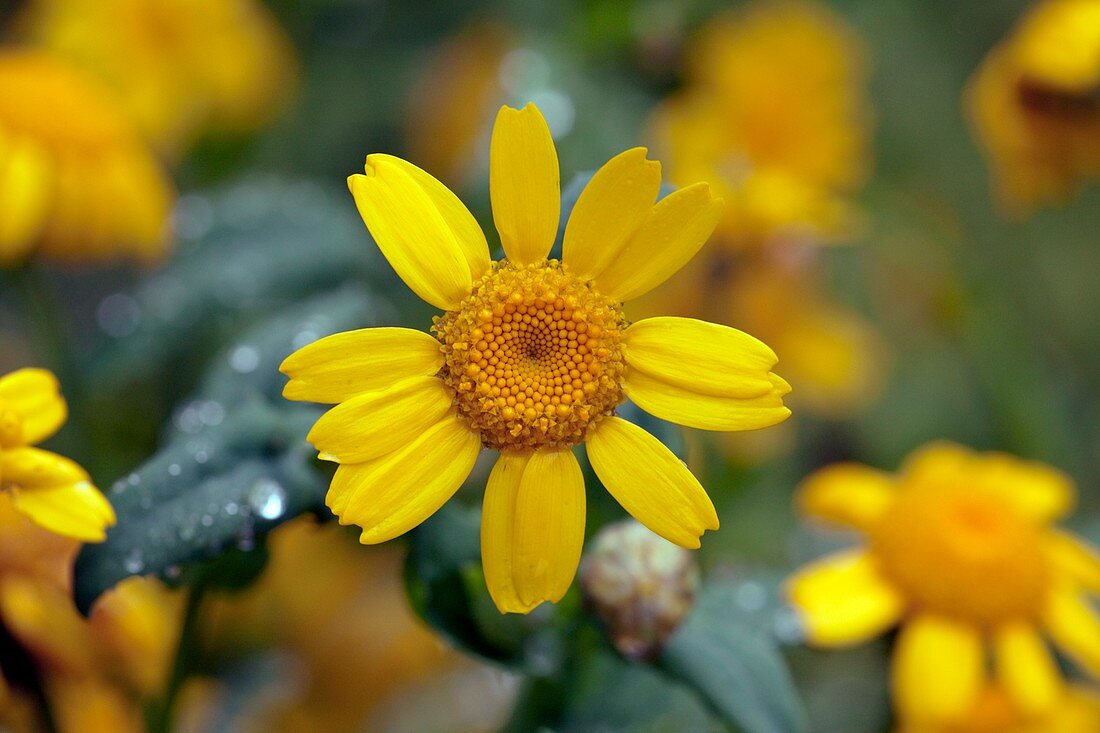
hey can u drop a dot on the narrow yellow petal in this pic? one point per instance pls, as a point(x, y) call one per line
point(390, 495)
point(35, 396)
point(549, 527)
point(374, 424)
point(843, 599)
point(849, 494)
point(609, 210)
point(24, 198)
point(32, 467)
point(1026, 669)
point(706, 412)
point(700, 357)
point(650, 482)
point(676, 228)
point(467, 232)
point(45, 621)
point(1078, 560)
point(343, 365)
point(524, 184)
point(498, 515)
point(1074, 625)
point(939, 669)
point(411, 232)
point(75, 510)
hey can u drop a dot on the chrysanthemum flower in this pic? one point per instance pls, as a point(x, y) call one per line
point(530, 358)
point(960, 551)
point(1035, 104)
point(76, 181)
point(51, 490)
point(1077, 711)
point(773, 117)
point(178, 67)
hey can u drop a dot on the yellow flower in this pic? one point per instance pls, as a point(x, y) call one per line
point(75, 181)
point(960, 551)
point(51, 490)
point(1077, 711)
point(530, 358)
point(178, 66)
point(1033, 103)
point(773, 118)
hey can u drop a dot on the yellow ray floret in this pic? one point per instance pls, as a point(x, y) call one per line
point(52, 490)
point(961, 553)
point(531, 358)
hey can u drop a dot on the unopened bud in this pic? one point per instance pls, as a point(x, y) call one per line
point(640, 585)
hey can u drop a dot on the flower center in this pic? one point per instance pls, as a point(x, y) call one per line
point(532, 356)
point(962, 552)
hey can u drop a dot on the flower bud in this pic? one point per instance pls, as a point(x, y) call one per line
point(640, 585)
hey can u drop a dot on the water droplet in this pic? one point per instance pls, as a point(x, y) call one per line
point(751, 596)
point(267, 498)
point(174, 469)
point(244, 359)
point(201, 457)
point(134, 563)
point(118, 315)
point(187, 533)
point(207, 520)
point(231, 509)
point(193, 217)
point(788, 626)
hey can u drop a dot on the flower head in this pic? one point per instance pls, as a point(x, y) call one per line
point(76, 182)
point(178, 67)
point(960, 551)
point(51, 490)
point(1034, 104)
point(773, 118)
point(530, 358)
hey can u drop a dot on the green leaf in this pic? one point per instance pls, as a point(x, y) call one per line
point(735, 667)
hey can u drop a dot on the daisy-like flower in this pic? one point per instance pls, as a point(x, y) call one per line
point(76, 181)
point(1035, 104)
point(960, 551)
point(51, 490)
point(530, 358)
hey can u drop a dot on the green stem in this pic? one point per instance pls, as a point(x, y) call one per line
point(160, 715)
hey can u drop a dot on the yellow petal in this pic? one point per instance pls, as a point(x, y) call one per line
point(1075, 626)
point(846, 493)
point(376, 423)
point(650, 482)
point(467, 232)
point(609, 210)
point(390, 495)
point(706, 412)
point(1026, 669)
point(45, 621)
point(24, 199)
point(669, 237)
point(699, 356)
point(343, 365)
point(411, 232)
point(532, 529)
point(843, 599)
point(32, 467)
point(1078, 560)
point(35, 396)
point(75, 510)
point(938, 669)
point(524, 184)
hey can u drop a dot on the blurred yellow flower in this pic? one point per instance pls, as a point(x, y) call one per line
point(1077, 711)
point(50, 489)
point(76, 182)
point(451, 105)
point(773, 117)
point(1034, 105)
point(960, 551)
point(323, 600)
point(179, 67)
point(531, 358)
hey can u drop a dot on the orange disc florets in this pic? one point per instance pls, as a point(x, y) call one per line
point(532, 356)
point(964, 552)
